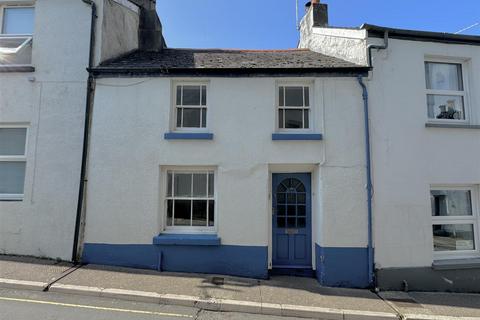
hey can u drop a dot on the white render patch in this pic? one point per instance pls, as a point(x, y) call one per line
point(343, 43)
point(128, 5)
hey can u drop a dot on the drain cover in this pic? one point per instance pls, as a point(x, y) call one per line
point(218, 281)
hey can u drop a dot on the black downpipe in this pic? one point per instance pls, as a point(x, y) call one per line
point(379, 47)
point(86, 132)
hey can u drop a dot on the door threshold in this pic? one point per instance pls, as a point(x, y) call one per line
point(291, 267)
point(306, 272)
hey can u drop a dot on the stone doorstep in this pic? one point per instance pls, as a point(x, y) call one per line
point(211, 304)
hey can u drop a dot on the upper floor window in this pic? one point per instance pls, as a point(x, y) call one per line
point(190, 199)
point(18, 20)
point(445, 91)
point(13, 161)
point(455, 221)
point(293, 107)
point(191, 106)
point(16, 26)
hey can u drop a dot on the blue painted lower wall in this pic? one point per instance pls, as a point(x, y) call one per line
point(243, 261)
point(336, 267)
point(342, 267)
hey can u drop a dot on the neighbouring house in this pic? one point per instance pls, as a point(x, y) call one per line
point(44, 53)
point(424, 101)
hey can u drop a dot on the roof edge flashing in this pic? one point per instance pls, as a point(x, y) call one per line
point(375, 31)
point(351, 33)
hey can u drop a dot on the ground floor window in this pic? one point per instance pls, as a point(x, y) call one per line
point(190, 201)
point(13, 162)
point(455, 221)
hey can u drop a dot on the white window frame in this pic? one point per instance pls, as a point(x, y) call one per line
point(177, 83)
point(27, 38)
point(310, 108)
point(464, 94)
point(10, 6)
point(189, 229)
point(473, 219)
point(16, 158)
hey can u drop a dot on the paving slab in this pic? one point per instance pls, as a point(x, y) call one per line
point(31, 269)
point(449, 304)
point(277, 290)
point(404, 303)
point(308, 292)
point(138, 280)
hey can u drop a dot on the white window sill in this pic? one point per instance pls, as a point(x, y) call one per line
point(16, 68)
point(11, 199)
point(454, 264)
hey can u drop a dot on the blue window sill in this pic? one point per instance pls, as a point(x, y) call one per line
point(297, 136)
point(188, 136)
point(187, 240)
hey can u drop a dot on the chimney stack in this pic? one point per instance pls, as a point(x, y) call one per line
point(150, 28)
point(319, 12)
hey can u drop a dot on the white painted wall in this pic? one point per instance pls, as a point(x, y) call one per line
point(124, 202)
point(407, 156)
point(53, 106)
point(51, 101)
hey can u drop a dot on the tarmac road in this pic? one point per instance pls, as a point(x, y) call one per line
point(22, 305)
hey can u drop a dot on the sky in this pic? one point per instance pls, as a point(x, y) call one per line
point(269, 24)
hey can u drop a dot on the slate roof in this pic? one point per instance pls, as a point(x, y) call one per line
point(217, 60)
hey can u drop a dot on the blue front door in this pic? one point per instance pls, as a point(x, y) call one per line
point(292, 221)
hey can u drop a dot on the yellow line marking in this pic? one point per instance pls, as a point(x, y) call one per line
point(97, 308)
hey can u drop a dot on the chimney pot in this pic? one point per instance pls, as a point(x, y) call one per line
point(319, 12)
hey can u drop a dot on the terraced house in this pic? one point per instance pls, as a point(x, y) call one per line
point(45, 49)
point(352, 158)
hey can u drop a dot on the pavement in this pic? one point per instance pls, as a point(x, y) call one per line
point(278, 296)
point(23, 304)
